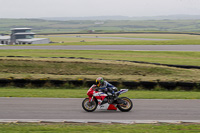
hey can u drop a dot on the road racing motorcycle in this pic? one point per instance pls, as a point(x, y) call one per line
point(101, 100)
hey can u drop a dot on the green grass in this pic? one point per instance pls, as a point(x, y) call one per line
point(61, 68)
point(128, 42)
point(150, 36)
point(81, 93)
point(164, 57)
point(98, 128)
point(36, 68)
point(72, 67)
point(95, 39)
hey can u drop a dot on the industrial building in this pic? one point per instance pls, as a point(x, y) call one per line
point(22, 36)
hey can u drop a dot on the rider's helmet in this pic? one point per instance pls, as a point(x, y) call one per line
point(99, 81)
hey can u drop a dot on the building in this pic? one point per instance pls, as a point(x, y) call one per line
point(4, 40)
point(22, 36)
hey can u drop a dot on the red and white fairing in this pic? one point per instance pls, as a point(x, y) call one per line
point(100, 96)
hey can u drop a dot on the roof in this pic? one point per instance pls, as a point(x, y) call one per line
point(30, 40)
point(21, 29)
point(25, 33)
point(4, 37)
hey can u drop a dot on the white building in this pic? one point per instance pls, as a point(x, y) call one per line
point(4, 40)
point(22, 36)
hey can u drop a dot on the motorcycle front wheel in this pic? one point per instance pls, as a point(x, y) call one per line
point(89, 106)
point(125, 107)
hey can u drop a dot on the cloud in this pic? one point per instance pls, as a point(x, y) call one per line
point(80, 8)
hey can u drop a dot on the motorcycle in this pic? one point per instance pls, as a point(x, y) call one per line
point(106, 101)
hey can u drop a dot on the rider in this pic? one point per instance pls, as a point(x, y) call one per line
point(106, 87)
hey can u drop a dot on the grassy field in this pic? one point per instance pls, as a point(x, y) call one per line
point(36, 68)
point(99, 128)
point(95, 39)
point(164, 57)
point(81, 93)
point(62, 68)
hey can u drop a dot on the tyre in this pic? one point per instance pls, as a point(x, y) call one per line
point(89, 106)
point(125, 107)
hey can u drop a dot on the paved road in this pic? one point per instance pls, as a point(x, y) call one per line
point(114, 47)
point(63, 108)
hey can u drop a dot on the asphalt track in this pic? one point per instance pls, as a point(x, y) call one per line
point(68, 108)
point(112, 47)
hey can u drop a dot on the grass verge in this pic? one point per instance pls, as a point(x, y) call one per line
point(81, 93)
point(98, 128)
point(164, 57)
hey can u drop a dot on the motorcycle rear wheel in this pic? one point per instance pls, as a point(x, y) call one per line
point(127, 107)
point(89, 106)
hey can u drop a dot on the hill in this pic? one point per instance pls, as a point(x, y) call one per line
point(168, 17)
point(100, 26)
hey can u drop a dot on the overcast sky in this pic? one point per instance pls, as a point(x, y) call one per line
point(85, 8)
